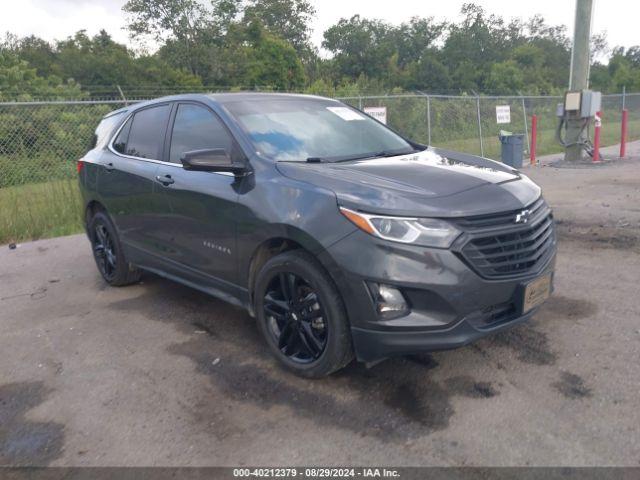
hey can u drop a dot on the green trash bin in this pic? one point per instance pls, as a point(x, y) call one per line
point(512, 148)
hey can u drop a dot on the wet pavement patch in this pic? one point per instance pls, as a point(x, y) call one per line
point(531, 345)
point(572, 386)
point(569, 307)
point(395, 399)
point(423, 359)
point(468, 387)
point(400, 397)
point(24, 442)
point(187, 309)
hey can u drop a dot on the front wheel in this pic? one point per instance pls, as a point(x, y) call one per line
point(301, 315)
point(108, 252)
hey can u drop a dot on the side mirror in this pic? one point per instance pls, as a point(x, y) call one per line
point(210, 160)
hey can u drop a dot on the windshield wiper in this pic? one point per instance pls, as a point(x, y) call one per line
point(380, 154)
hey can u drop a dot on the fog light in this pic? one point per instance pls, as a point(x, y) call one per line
point(390, 302)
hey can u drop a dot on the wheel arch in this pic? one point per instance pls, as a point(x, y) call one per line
point(290, 239)
point(92, 207)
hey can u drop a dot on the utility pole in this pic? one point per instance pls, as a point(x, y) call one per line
point(579, 75)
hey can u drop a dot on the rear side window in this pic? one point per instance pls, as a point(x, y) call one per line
point(143, 136)
point(105, 129)
point(197, 128)
point(120, 143)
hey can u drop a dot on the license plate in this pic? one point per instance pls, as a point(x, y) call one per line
point(536, 292)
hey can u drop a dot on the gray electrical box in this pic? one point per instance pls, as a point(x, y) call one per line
point(585, 103)
point(591, 103)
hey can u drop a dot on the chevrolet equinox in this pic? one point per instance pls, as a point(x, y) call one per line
point(342, 238)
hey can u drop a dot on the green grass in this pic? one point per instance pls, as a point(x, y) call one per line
point(39, 210)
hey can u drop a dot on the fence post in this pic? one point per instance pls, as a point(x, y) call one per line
point(623, 133)
point(428, 120)
point(596, 137)
point(479, 126)
point(534, 138)
point(526, 127)
point(360, 103)
point(126, 104)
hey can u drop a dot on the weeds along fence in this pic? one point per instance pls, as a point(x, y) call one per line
point(40, 142)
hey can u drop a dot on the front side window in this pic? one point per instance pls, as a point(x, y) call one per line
point(143, 136)
point(296, 129)
point(197, 128)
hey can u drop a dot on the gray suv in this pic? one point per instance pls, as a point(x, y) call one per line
point(340, 236)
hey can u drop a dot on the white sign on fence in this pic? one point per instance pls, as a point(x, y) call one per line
point(503, 114)
point(379, 113)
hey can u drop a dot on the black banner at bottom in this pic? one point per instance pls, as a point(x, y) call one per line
point(404, 473)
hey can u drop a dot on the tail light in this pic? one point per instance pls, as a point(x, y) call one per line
point(80, 165)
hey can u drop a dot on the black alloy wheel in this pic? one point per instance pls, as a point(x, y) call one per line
point(104, 251)
point(295, 318)
point(108, 252)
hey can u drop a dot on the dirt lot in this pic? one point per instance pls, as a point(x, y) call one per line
point(157, 374)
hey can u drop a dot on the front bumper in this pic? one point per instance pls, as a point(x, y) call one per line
point(373, 345)
point(451, 305)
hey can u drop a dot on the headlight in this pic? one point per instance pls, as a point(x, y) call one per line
point(428, 232)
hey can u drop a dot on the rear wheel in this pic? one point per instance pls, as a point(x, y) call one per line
point(301, 315)
point(108, 252)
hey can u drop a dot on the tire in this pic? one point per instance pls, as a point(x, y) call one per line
point(108, 252)
point(308, 330)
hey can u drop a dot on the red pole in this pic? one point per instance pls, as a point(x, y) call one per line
point(596, 138)
point(623, 133)
point(534, 137)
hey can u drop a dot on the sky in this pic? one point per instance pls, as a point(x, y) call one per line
point(58, 19)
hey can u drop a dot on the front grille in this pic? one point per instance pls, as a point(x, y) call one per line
point(499, 219)
point(509, 249)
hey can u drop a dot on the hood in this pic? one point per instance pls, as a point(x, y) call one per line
point(433, 182)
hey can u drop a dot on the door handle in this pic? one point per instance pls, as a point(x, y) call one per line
point(108, 166)
point(165, 180)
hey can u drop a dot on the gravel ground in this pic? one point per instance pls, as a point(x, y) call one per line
point(158, 374)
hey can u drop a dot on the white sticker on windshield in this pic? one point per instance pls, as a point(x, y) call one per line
point(346, 113)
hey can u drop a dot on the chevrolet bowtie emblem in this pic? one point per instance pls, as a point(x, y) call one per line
point(523, 216)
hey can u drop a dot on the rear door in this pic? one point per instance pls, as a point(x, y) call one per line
point(203, 205)
point(127, 183)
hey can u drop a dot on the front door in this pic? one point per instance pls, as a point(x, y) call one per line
point(200, 224)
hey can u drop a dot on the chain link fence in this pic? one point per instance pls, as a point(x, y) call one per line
point(40, 142)
point(469, 124)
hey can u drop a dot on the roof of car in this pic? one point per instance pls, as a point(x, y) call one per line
point(244, 96)
point(221, 98)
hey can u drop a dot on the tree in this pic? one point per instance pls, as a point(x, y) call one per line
point(414, 37)
point(360, 46)
point(99, 62)
point(287, 19)
point(262, 59)
point(505, 78)
point(37, 52)
point(181, 22)
point(18, 81)
point(430, 74)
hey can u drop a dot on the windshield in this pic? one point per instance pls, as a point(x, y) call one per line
point(301, 129)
